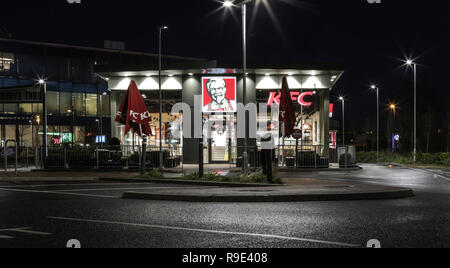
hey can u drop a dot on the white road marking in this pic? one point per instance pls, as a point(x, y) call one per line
point(6, 237)
point(53, 192)
point(74, 184)
point(435, 173)
point(25, 230)
point(134, 188)
point(209, 231)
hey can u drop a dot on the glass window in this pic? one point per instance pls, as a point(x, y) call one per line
point(6, 60)
point(79, 135)
point(66, 102)
point(37, 108)
point(10, 108)
point(52, 102)
point(78, 100)
point(25, 135)
point(25, 108)
point(10, 132)
point(106, 106)
point(91, 104)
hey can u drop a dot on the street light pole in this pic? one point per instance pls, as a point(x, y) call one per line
point(412, 63)
point(415, 113)
point(244, 83)
point(161, 156)
point(343, 120)
point(243, 4)
point(378, 120)
point(43, 83)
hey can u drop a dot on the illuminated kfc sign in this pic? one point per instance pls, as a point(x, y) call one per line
point(304, 99)
point(219, 94)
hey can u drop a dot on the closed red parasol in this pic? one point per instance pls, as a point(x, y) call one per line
point(287, 113)
point(133, 112)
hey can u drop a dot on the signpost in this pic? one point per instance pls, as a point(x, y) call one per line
point(297, 135)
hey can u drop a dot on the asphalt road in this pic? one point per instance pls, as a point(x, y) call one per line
point(48, 215)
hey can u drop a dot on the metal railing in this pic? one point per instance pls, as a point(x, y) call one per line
point(15, 156)
point(128, 157)
point(109, 157)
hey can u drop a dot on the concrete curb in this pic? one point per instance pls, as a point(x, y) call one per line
point(403, 193)
point(197, 183)
point(301, 170)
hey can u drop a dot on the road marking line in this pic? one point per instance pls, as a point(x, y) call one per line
point(435, 173)
point(209, 231)
point(6, 237)
point(53, 192)
point(135, 188)
point(74, 184)
point(26, 230)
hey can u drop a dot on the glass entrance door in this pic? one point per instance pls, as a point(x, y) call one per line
point(219, 137)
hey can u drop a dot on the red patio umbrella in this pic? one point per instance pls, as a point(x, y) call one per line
point(287, 113)
point(133, 112)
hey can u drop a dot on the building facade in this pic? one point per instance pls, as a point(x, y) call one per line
point(85, 87)
point(218, 89)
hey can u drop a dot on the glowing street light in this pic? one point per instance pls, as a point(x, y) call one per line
point(228, 4)
point(393, 107)
point(43, 84)
point(410, 62)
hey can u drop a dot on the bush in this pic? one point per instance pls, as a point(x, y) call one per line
point(256, 177)
point(446, 162)
point(404, 158)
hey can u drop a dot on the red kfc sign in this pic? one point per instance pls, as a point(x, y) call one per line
point(301, 98)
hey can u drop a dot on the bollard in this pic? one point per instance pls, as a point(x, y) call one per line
point(36, 157)
point(28, 157)
point(98, 159)
point(66, 165)
point(6, 157)
point(200, 159)
point(17, 158)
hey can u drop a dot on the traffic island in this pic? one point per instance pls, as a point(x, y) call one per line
point(310, 191)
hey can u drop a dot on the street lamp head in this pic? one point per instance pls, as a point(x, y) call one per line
point(41, 81)
point(164, 27)
point(228, 3)
point(373, 87)
point(341, 98)
point(409, 62)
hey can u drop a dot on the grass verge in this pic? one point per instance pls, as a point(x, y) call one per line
point(255, 177)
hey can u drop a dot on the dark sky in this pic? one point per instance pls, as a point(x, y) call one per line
point(370, 39)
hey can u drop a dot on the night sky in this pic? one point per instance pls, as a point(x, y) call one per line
point(369, 39)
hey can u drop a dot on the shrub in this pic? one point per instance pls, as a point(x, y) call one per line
point(446, 162)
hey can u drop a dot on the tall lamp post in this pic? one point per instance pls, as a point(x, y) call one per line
point(161, 156)
point(43, 83)
point(378, 119)
point(412, 63)
point(343, 120)
point(243, 4)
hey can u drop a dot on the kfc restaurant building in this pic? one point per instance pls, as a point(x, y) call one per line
point(220, 90)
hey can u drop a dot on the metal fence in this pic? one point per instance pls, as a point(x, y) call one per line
point(301, 156)
point(15, 157)
point(130, 157)
point(109, 157)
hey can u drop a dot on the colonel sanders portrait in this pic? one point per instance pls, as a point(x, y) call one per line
point(217, 90)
